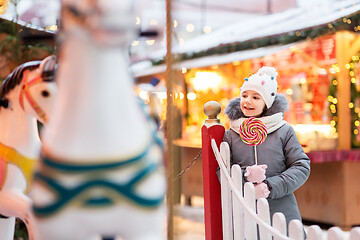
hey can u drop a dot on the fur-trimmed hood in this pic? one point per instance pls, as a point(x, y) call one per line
point(234, 112)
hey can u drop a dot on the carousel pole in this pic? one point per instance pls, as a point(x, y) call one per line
point(170, 128)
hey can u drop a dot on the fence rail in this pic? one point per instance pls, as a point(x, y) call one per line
point(242, 214)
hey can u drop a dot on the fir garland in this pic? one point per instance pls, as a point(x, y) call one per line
point(333, 102)
point(17, 49)
point(350, 23)
point(354, 103)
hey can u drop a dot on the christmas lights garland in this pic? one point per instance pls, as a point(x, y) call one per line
point(333, 102)
point(354, 102)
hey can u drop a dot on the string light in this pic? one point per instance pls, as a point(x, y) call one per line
point(354, 95)
point(135, 43)
point(150, 42)
point(333, 100)
point(236, 63)
point(153, 22)
point(190, 27)
point(191, 96)
point(207, 29)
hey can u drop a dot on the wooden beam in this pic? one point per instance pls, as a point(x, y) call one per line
point(343, 90)
point(354, 48)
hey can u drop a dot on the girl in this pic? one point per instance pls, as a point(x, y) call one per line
point(283, 165)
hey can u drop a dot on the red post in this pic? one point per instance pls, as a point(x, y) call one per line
point(212, 190)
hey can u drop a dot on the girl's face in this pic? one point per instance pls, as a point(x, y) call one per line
point(252, 104)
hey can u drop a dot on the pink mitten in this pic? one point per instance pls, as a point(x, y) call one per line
point(261, 190)
point(255, 173)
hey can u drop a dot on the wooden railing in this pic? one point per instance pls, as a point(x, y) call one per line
point(233, 213)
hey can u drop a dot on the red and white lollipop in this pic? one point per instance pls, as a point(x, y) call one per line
point(253, 132)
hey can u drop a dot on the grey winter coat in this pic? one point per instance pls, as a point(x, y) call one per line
point(288, 165)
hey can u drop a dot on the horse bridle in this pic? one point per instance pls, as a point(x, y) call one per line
point(25, 92)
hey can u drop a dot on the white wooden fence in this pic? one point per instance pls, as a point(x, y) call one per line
point(241, 213)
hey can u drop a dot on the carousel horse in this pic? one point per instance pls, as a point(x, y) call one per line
point(101, 172)
point(25, 96)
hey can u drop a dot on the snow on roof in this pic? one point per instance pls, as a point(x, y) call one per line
point(26, 25)
point(270, 25)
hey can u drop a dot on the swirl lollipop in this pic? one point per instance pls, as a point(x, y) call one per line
point(253, 132)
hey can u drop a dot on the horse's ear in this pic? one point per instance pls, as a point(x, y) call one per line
point(4, 102)
point(48, 64)
point(47, 67)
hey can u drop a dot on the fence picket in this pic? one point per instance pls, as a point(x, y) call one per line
point(279, 223)
point(226, 202)
point(314, 233)
point(335, 233)
point(225, 154)
point(355, 233)
point(226, 212)
point(250, 224)
point(264, 213)
point(296, 230)
point(238, 212)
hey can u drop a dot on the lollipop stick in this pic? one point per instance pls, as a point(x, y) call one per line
point(255, 155)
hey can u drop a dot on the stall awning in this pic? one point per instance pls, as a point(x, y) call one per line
point(145, 69)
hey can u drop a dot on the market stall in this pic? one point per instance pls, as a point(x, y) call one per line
point(317, 56)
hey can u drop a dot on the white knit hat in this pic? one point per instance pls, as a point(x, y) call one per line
point(264, 83)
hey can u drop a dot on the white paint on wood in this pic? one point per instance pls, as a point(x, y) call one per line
point(250, 224)
point(264, 213)
point(238, 212)
point(296, 230)
point(244, 218)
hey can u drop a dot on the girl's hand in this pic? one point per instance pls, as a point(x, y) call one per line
point(261, 190)
point(255, 173)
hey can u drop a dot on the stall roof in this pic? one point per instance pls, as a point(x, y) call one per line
point(275, 24)
point(266, 35)
point(28, 31)
point(145, 68)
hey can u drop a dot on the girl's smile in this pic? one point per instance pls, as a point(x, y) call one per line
point(252, 104)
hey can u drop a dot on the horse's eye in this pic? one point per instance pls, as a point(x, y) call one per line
point(45, 93)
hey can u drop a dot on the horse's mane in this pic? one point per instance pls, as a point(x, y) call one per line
point(15, 77)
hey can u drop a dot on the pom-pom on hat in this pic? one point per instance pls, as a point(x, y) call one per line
point(263, 82)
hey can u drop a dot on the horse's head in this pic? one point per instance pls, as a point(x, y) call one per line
point(107, 22)
point(37, 88)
